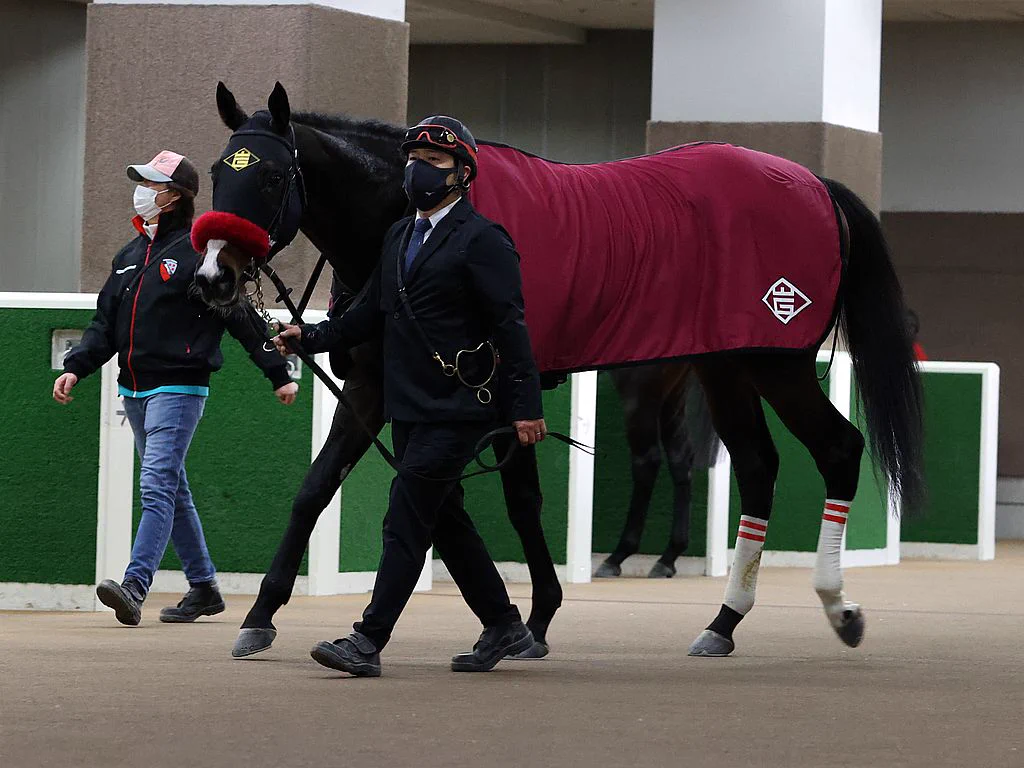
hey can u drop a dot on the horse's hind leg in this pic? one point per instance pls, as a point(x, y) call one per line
point(739, 420)
point(345, 445)
point(520, 481)
point(680, 464)
point(641, 402)
point(790, 385)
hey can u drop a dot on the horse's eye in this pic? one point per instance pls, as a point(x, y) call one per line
point(274, 178)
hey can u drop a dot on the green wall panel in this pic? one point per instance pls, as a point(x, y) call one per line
point(867, 526)
point(50, 459)
point(247, 461)
point(952, 460)
point(364, 502)
point(613, 485)
point(365, 499)
point(485, 501)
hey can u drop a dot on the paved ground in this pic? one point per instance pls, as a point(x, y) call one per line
point(939, 681)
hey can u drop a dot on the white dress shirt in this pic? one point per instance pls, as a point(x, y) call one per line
point(435, 218)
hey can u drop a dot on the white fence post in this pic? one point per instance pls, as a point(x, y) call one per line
point(582, 427)
point(325, 543)
point(116, 480)
point(716, 558)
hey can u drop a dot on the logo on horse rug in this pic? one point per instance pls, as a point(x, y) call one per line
point(785, 300)
point(167, 268)
point(241, 160)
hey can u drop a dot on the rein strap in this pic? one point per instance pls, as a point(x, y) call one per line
point(394, 463)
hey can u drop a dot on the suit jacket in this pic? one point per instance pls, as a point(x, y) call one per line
point(464, 288)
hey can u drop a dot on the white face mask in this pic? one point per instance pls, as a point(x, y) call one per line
point(145, 202)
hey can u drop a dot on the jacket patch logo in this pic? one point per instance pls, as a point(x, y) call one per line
point(167, 268)
point(241, 159)
point(785, 300)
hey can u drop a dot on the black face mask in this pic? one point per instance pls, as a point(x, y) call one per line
point(427, 185)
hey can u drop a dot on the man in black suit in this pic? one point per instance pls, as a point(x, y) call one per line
point(447, 296)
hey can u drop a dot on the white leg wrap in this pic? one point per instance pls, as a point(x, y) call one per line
point(739, 593)
point(828, 574)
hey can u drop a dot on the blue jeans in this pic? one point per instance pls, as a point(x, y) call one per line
point(163, 425)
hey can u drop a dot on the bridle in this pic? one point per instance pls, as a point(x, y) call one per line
point(294, 182)
point(251, 273)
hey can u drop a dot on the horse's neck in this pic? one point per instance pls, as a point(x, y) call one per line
point(349, 206)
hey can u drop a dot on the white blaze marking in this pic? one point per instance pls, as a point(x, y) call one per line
point(210, 268)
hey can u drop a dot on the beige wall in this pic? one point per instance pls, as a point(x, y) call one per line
point(42, 109)
point(329, 60)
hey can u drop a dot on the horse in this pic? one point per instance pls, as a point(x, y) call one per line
point(664, 412)
point(352, 248)
point(745, 215)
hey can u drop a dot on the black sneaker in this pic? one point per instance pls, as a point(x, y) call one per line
point(495, 644)
point(355, 654)
point(126, 599)
point(201, 600)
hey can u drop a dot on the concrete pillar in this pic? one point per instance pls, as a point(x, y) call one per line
point(153, 70)
point(796, 78)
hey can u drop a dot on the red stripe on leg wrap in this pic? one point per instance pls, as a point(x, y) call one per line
point(751, 536)
point(834, 519)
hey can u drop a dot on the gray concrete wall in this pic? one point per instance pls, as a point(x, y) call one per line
point(952, 107)
point(42, 111)
point(574, 103)
point(963, 275)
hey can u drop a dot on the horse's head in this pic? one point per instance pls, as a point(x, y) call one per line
point(257, 198)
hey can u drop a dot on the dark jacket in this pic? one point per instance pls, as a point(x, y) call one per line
point(464, 288)
point(160, 333)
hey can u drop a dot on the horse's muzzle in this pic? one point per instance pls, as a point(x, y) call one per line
point(223, 290)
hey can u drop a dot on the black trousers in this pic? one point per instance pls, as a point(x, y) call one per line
point(421, 512)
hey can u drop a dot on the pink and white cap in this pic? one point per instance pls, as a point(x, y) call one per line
point(169, 168)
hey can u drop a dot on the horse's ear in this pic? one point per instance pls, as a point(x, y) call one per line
point(280, 110)
point(232, 114)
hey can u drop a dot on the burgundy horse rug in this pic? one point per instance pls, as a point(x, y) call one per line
point(701, 248)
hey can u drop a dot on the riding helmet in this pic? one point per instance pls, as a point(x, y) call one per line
point(446, 134)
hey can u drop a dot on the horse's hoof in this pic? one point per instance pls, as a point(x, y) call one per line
point(661, 571)
point(538, 650)
point(250, 641)
point(851, 627)
point(710, 643)
point(607, 570)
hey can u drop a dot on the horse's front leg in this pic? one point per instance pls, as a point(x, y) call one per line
point(520, 481)
point(346, 444)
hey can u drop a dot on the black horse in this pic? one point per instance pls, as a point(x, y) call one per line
point(347, 222)
point(352, 172)
point(665, 413)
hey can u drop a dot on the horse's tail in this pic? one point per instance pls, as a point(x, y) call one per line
point(700, 432)
point(874, 321)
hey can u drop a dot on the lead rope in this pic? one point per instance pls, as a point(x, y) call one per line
point(306, 358)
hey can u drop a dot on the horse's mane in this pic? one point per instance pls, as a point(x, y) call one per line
point(375, 136)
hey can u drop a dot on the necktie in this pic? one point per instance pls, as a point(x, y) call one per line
point(419, 231)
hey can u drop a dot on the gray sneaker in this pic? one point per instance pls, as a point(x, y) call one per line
point(126, 599)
